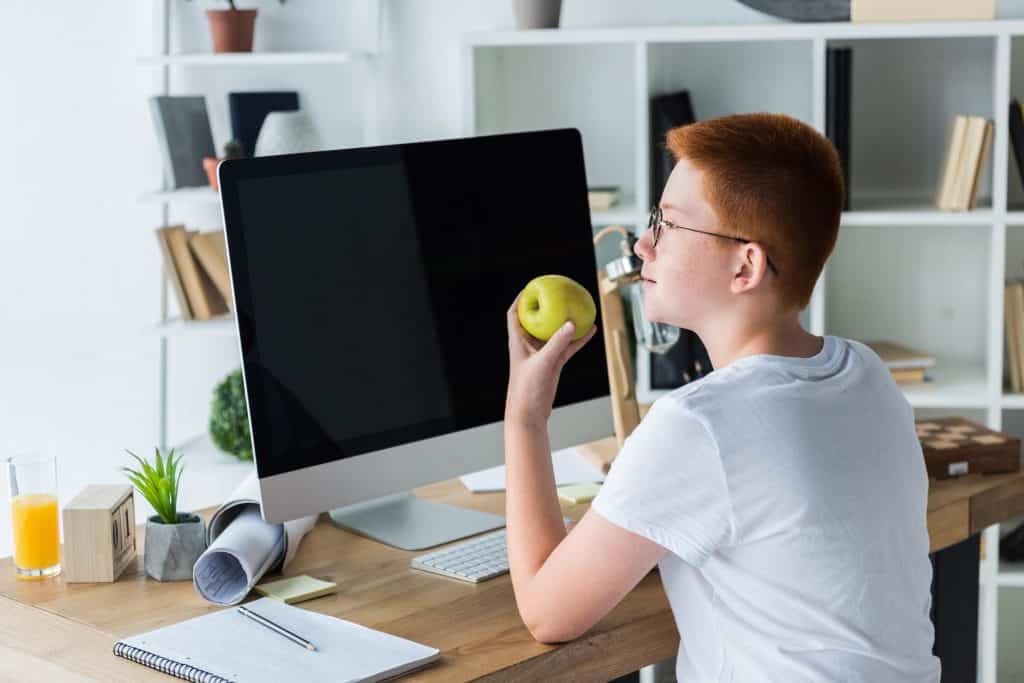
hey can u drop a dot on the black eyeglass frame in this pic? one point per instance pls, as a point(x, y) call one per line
point(657, 220)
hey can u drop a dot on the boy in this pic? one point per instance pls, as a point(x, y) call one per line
point(783, 496)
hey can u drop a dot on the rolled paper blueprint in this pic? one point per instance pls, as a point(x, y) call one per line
point(242, 548)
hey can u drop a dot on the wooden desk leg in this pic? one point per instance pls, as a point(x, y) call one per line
point(955, 609)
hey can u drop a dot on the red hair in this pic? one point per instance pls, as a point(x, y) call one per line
point(775, 180)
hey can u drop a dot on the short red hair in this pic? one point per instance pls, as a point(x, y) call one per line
point(772, 179)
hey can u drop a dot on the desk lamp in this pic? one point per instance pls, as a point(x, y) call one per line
point(621, 276)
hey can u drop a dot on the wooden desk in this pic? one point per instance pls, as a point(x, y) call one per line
point(477, 627)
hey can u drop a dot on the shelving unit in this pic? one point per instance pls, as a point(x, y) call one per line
point(218, 468)
point(237, 59)
point(902, 269)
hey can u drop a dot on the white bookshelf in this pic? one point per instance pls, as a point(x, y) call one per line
point(239, 68)
point(902, 269)
point(185, 195)
point(219, 326)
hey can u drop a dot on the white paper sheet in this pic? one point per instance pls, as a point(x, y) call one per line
point(570, 468)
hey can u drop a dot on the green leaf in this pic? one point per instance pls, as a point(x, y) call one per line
point(159, 484)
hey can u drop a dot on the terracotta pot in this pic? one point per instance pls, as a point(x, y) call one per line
point(210, 166)
point(232, 29)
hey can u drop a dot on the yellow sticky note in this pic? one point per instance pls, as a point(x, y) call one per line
point(579, 493)
point(296, 588)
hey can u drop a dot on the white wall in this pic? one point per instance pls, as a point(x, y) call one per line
point(79, 266)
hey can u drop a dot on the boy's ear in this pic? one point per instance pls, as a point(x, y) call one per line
point(751, 267)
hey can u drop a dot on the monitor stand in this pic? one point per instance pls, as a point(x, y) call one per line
point(404, 521)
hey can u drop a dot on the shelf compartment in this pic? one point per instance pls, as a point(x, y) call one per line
point(892, 283)
point(521, 89)
point(898, 141)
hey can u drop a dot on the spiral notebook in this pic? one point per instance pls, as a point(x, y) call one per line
point(228, 647)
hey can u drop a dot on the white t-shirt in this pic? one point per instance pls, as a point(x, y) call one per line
point(791, 494)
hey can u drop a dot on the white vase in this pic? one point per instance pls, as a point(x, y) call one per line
point(287, 132)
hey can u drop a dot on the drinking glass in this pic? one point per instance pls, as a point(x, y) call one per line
point(32, 485)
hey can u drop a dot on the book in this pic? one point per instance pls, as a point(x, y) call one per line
point(249, 109)
point(838, 80)
point(203, 298)
point(185, 139)
point(171, 271)
point(210, 250)
point(667, 112)
point(979, 169)
point(951, 162)
point(1017, 135)
point(225, 647)
point(898, 357)
point(1017, 330)
point(968, 162)
point(1012, 335)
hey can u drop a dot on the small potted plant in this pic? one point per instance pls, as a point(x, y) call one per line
point(232, 150)
point(174, 540)
point(232, 28)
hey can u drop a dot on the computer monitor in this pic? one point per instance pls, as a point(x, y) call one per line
point(370, 287)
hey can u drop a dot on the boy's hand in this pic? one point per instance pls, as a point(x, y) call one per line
point(534, 369)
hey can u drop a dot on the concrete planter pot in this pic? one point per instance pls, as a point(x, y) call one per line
point(172, 549)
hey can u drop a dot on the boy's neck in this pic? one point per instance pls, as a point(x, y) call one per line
point(787, 338)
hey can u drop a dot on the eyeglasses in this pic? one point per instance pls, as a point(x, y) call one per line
point(657, 223)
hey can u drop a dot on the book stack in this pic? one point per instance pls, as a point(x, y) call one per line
point(603, 197)
point(907, 365)
point(197, 265)
point(967, 147)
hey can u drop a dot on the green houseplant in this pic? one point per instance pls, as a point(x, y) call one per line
point(229, 418)
point(174, 540)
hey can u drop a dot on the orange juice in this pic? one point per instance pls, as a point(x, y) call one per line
point(36, 534)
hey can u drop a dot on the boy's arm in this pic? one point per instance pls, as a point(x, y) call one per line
point(563, 583)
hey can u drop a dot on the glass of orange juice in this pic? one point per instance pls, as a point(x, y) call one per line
point(32, 483)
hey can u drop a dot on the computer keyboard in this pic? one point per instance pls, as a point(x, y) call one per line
point(476, 559)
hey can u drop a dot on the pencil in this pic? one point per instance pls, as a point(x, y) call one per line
point(260, 619)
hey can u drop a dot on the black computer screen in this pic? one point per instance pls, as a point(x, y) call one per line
point(372, 284)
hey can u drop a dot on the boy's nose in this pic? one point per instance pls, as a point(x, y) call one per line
point(642, 247)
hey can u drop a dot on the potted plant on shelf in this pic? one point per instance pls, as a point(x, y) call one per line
point(174, 540)
point(229, 418)
point(232, 150)
point(232, 28)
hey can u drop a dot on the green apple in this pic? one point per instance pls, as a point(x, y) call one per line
point(548, 301)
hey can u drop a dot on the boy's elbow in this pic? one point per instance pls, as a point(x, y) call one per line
point(551, 632)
